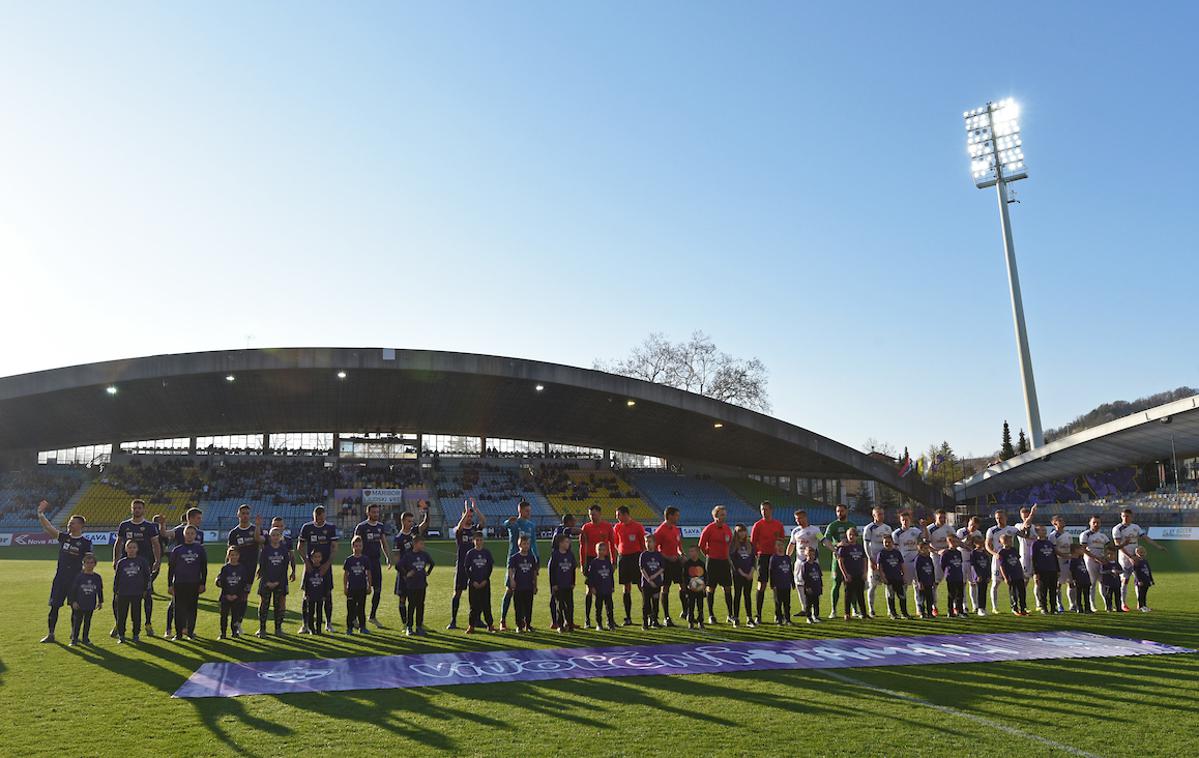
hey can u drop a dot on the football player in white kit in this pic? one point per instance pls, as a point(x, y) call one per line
point(1127, 536)
point(907, 540)
point(966, 536)
point(803, 536)
point(939, 533)
point(1062, 543)
point(1026, 535)
point(1094, 541)
point(872, 536)
point(994, 543)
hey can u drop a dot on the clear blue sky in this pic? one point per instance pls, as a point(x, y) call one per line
point(549, 181)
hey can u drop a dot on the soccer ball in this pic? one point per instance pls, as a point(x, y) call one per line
point(696, 584)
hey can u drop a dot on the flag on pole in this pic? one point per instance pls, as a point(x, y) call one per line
point(906, 468)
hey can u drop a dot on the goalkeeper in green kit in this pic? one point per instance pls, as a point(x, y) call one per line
point(834, 535)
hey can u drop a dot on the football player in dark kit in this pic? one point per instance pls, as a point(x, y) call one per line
point(319, 534)
point(374, 549)
point(72, 546)
point(247, 538)
point(145, 533)
point(401, 544)
point(464, 538)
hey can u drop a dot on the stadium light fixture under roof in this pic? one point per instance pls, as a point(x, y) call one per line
point(111, 389)
point(996, 158)
point(341, 375)
point(230, 377)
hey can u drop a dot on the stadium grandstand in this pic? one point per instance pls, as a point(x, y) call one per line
point(427, 430)
point(1147, 461)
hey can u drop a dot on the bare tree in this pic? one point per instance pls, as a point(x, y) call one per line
point(696, 366)
point(872, 445)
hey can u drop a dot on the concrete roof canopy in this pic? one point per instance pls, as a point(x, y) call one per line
point(298, 390)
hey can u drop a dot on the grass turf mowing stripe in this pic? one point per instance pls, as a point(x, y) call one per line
point(441, 669)
point(1023, 734)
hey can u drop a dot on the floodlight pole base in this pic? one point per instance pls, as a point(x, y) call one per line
point(1031, 406)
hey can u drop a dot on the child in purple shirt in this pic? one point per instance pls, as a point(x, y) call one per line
point(602, 583)
point(562, 583)
point(522, 578)
point(652, 572)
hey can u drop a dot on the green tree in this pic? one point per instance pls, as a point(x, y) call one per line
point(1005, 449)
point(1021, 444)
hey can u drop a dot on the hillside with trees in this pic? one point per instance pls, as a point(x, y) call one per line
point(1118, 409)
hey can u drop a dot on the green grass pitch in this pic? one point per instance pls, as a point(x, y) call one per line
point(115, 700)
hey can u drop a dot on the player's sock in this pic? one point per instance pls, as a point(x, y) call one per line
point(761, 597)
point(665, 601)
point(870, 594)
point(375, 598)
point(711, 601)
point(628, 603)
point(504, 607)
point(454, 603)
point(52, 620)
point(149, 608)
point(995, 595)
point(728, 600)
point(587, 612)
point(404, 614)
point(262, 613)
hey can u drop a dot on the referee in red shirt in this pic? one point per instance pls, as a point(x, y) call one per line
point(714, 542)
point(669, 539)
point(630, 544)
point(766, 532)
point(595, 532)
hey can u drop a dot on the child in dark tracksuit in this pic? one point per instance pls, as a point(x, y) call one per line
point(85, 596)
point(1080, 579)
point(693, 602)
point(813, 585)
point(926, 582)
point(1110, 577)
point(890, 563)
point(602, 581)
point(782, 576)
point(129, 587)
point(315, 589)
point(1013, 573)
point(1144, 578)
point(955, 581)
point(233, 582)
point(1046, 567)
point(980, 561)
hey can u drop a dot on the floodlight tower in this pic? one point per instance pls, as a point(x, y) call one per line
point(996, 158)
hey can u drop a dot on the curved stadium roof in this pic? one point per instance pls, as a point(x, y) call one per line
point(1156, 434)
point(297, 389)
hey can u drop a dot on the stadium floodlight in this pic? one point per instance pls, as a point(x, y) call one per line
point(111, 389)
point(997, 157)
point(539, 387)
point(630, 403)
point(718, 425)
point(230, 377)
point(341, 375)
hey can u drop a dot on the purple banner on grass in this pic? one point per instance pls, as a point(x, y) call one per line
point(442, 669)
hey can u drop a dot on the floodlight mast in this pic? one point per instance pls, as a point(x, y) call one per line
point(1013, 158)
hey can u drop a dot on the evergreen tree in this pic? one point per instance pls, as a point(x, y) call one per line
point(1021, 444)
point(1006, 450)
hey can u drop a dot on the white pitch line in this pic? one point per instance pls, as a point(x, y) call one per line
point(991, 723)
